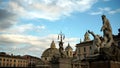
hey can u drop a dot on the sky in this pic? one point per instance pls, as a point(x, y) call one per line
point(29, 26)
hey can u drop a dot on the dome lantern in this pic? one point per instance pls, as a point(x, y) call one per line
point(52, 44)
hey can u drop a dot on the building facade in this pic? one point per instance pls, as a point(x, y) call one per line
point(31, 60)
point(12, 61)
point(17, 61)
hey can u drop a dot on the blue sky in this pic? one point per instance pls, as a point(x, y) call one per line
point(29, 26)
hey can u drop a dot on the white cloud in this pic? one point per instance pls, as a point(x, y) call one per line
point(26, 44)
point(105, 10)
point(21, 29)
point(106, 0)
point(49, 9)
point(114, 11)
point(96, 13)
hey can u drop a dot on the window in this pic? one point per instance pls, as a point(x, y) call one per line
point(3, 59)
point(67, 52)
point(71, 53)
point(45, 58)
point(90, 48)
point(84, 49)
point(0, 59)
point(7, 59)
point(14, 60)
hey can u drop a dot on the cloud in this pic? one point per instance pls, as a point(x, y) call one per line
point(49, 9)
point(105, 10)
point(7, 19)
point(26, 44)
point(106, 0)
point(114, 11)
point(24, 28)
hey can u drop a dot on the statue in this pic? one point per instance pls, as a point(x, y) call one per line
point(97, 40)
point(111, 51)
point(106, 46)
point(61, 37)
point(107, 31)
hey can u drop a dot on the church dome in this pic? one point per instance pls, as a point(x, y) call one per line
point(50, 51)
point(68, 47)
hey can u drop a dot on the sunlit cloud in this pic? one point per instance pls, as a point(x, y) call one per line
point(24, 28)
point(49, 10)
point(106, 10)
point(24, 44)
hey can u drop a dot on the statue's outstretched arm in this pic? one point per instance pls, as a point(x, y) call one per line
point(91, 33)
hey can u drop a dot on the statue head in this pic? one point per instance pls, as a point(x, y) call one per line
point(103, 16)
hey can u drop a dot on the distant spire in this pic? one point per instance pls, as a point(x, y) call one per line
point(86, 37)
point(53, 44)
point(68, 47)
point(80, 40)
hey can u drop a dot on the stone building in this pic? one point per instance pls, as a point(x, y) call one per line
point(31, 60)
point(7, 60)
point(12, 61)
point(84, 49)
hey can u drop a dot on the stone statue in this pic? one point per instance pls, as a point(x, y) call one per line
point(61, 37)
point(97, 40)
point(107, 31)
point(106, 46)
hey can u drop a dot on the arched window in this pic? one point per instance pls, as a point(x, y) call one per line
point(84, 49)
point(70, 53)
point(45, 58)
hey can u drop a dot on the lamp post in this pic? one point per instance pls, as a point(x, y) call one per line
point(61, 37)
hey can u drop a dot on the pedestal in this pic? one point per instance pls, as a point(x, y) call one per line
point(105, 64)
point(62, 63)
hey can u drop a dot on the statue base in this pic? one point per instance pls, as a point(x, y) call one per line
point(107, 54)
point(108, 57)
point(62, 63)
point(105, 64)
